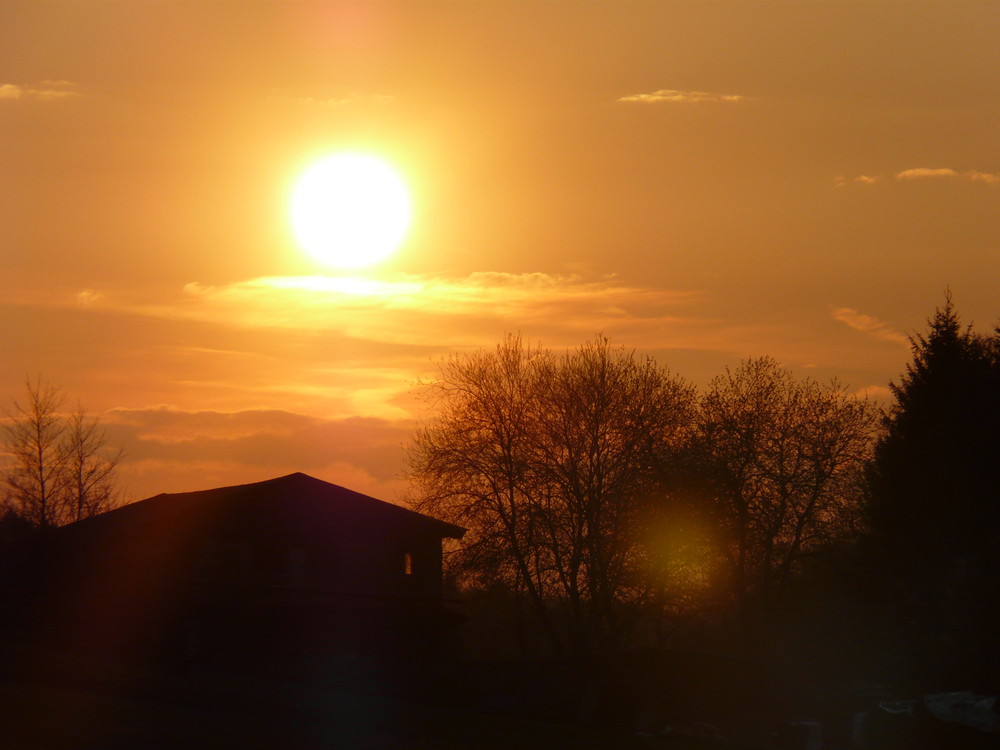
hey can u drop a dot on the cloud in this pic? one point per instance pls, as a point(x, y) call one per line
point(44, 91)
point(173, 450)
point(987, 177)
point(420, 310)
point(869, 325)
point(342, 346)
point(861, 179)
point(88, 297)
point(339, 346)
point(924, 173)
point(920, 173)
point(676, 96)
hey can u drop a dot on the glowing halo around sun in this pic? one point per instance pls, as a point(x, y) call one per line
point(350, 210)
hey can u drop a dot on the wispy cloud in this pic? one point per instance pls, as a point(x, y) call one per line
point(43, 91)
point(868, 324)
point(861, 179)
point(339, 346)
point(425, 310)
point(925, 173)
point(170, 449)
point(394, 323)
point(987, 177)
point(88, 297)
point(677, 96)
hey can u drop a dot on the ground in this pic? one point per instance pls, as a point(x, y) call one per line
point(52, 701)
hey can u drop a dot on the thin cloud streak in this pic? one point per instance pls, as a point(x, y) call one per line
point(861, 179)
point(925, 173)
point(868, 324)
point(43, 91)
point(392, 325)
point(339, 345)
point(677, 96)
point(416, 310)
point(919, 173)
point(987, 177)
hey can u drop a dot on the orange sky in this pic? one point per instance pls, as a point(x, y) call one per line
point(702, 181)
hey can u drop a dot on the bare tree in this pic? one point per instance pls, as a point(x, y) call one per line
point(62, 469)
point(472, 466)
point(89, 467)
point(33, 436)
point(783, 463)
point(550, 463)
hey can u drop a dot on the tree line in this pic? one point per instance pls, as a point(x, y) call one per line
point(609, 496)
point(60, 466)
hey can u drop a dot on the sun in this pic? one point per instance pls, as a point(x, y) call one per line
point(350, 210)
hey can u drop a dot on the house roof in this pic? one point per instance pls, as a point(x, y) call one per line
point(313, 500)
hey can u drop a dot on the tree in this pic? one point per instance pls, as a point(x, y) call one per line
point(934, 512)
point(63, 469)
point(550, 462)
point(933, 482)
point(778, 465)
point(33, 436)
point(89, 467)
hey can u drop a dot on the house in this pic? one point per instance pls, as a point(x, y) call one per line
point(289, 568)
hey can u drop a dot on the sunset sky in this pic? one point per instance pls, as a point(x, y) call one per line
point(699, 181)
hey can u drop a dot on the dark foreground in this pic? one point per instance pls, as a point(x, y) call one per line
point(52, 699)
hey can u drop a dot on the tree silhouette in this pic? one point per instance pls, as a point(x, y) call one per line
point(934, 478)
point(33, 436)
point(550, 461)
point(779, 462)
point(89, 467)
point(934, 511)
point(63, 469)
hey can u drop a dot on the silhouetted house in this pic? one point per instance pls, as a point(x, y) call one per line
point(292, 567)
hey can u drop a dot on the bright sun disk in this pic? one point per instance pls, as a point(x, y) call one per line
point(350, 210)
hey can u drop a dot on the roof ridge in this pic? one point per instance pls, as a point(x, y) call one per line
point(283, 489)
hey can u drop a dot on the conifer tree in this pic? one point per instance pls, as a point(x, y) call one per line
point(934, 478)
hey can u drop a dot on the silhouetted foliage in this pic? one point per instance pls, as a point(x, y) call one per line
point(62, 469)
point(90, 465)
point(934, 478)
point(777, 466)
point(550, 462)
point(935, 499)
point(605, 492)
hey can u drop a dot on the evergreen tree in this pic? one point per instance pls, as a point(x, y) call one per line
point(934, 478)
point(934, 507)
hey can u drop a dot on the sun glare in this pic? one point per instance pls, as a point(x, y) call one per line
point(350, 210)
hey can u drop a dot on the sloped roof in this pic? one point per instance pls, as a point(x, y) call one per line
point(296, 493)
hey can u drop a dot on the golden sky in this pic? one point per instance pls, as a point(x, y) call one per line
point(701, 181)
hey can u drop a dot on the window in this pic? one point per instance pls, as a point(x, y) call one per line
point(407, 564)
